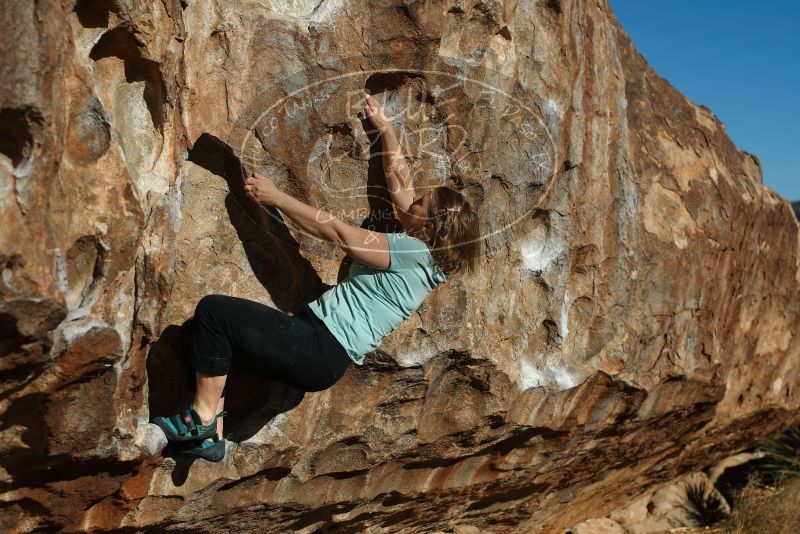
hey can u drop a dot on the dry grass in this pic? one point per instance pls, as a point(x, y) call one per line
point(765, 509)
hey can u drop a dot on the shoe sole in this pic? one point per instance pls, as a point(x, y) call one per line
point(214, 453)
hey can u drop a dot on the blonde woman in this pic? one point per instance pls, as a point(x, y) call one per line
point(390, 277)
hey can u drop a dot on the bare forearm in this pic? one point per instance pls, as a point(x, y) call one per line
point(314, 221)
point(398, 177)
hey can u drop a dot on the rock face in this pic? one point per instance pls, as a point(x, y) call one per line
point(796, 206)
point(633, 319)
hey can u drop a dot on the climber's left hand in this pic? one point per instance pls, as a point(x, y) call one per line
point(261, 189)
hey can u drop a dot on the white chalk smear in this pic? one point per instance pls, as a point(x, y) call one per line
point(533, 375)
point(417, 357)
point(539, 250)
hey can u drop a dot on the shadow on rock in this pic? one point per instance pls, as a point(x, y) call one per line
point(273, 254)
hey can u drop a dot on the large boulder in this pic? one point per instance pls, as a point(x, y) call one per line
point(633, 318)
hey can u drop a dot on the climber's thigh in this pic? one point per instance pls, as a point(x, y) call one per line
point(271, 342)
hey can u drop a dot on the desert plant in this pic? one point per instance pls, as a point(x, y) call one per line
point(704, 510)
point(783, 454)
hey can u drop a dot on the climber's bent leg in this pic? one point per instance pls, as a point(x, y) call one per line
point(211, 348)
point(296, 350)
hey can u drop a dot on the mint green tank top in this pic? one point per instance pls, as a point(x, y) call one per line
point(367, 305)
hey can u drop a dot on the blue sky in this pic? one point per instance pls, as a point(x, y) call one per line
point(739, 58)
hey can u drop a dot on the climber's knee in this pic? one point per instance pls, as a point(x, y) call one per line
point(207, 303)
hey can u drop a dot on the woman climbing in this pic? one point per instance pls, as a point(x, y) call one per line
point(390, 277)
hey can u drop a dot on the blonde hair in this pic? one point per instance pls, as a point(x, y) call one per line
point(455, 244)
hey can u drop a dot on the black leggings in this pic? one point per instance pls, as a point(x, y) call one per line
point(297, 350)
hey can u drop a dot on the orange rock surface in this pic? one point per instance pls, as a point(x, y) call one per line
point(633, 319)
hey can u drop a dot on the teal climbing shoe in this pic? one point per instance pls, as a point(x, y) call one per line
point(187, 425)
point(213, 451)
